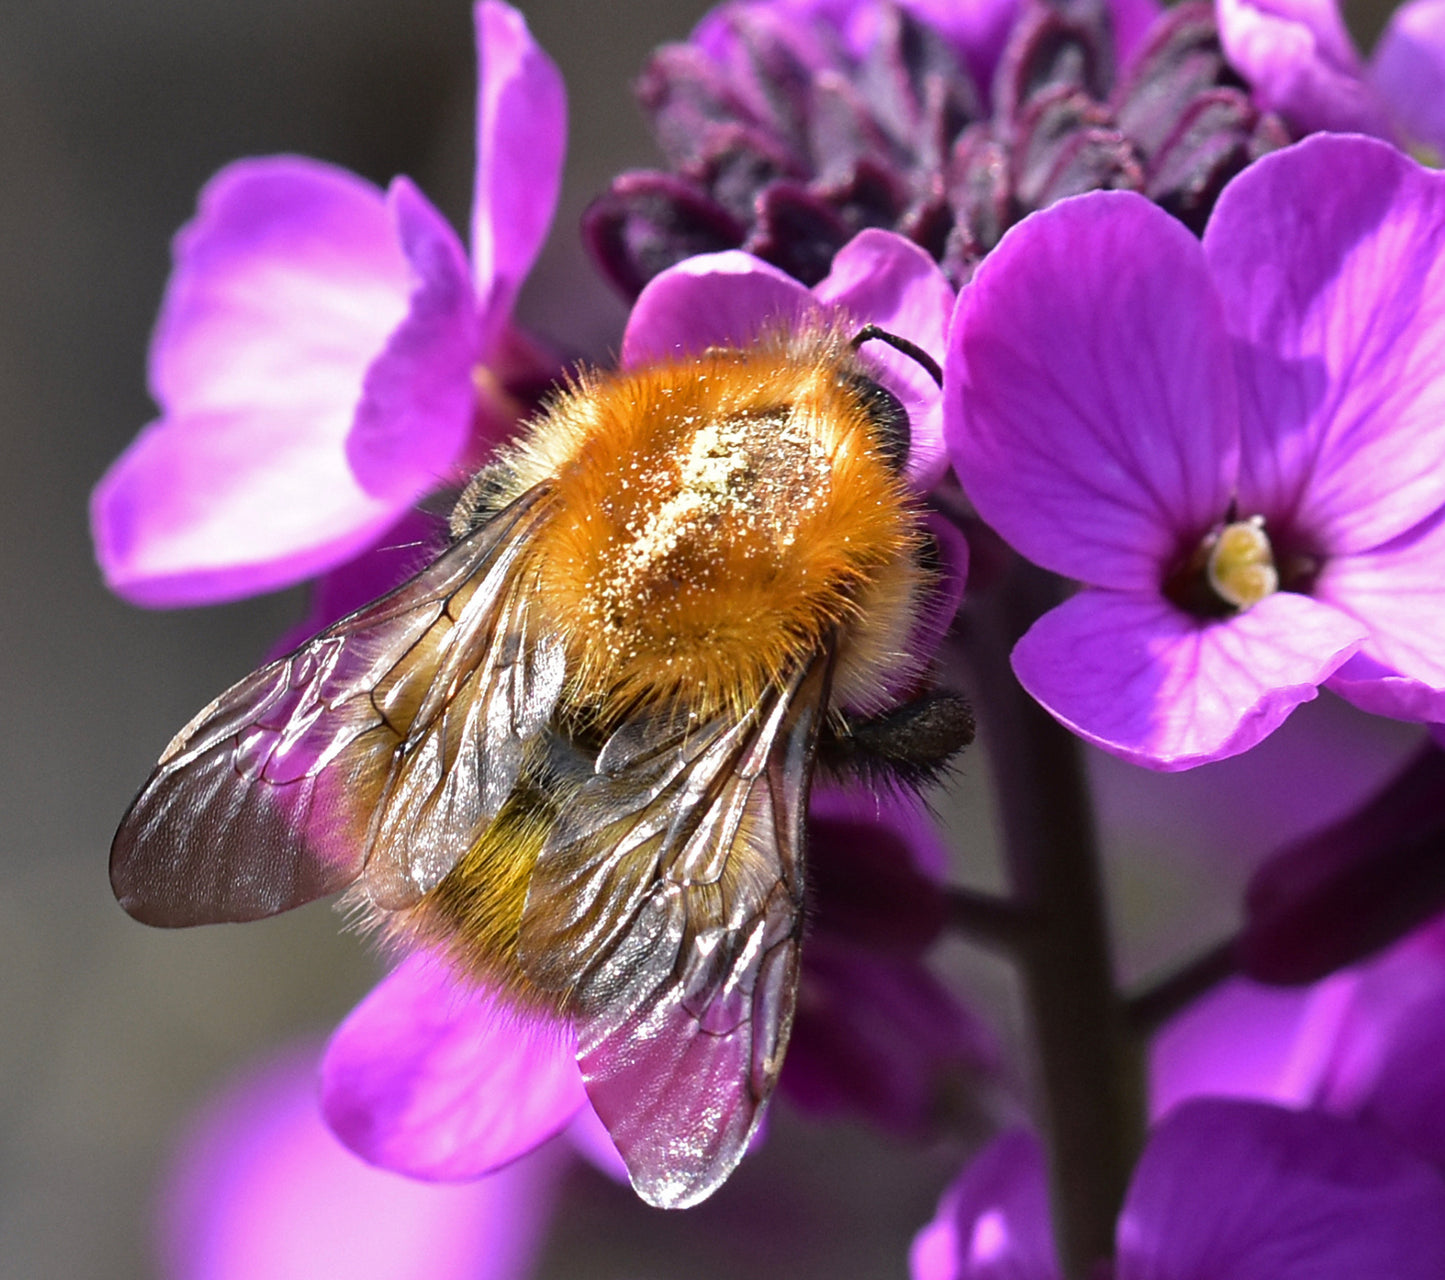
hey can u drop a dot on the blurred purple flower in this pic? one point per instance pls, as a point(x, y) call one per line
point(260, 1187)
point(876, 1034)
point(1344, 892)
point(1224, 1190)
point(1237, 447)
point(1300, 61)
point(1367, 1043)
point(325, 354)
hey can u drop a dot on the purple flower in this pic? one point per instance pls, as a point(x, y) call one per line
point(325, 355)
point(1367, 1043)
point(791, 125)
point(876, 1034)
point(1386, 1059)
point(1237, 447)
point(260, 1187)
point(1224, 1190)
point(1300, 61)
point(1343, 892)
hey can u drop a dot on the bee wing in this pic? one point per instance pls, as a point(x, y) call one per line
point(667, 901)
point(373, 750)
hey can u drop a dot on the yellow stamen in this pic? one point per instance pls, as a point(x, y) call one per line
point(1241, 566)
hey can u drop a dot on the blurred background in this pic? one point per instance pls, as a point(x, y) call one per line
point(111, 118)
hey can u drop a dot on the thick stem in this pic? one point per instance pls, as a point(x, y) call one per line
point(1093, 1114)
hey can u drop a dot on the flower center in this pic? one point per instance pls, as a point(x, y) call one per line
point(1232, 569)
point(1240, 564)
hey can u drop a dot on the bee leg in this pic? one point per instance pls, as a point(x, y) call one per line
point(911, 744)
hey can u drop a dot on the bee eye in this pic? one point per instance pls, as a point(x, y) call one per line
point(881, 404)
point(888, 416)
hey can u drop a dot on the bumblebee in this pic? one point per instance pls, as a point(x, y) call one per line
point(574, 752)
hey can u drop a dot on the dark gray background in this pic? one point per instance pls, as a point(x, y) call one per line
point(111, 117)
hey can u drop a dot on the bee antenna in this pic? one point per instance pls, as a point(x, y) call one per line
point(872, 333)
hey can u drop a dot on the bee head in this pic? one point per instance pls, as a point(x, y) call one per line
point(883, 408)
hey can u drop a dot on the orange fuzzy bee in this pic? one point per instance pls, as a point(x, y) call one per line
point(575, 751)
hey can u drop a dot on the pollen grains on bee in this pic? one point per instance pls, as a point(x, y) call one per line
point(714, 526)
point(714, 520)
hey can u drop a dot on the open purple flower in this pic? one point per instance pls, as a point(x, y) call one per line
point(325, 354)
point(1237, 447)
point(1300, 61)
point(1225, 1190)
point(260, 1187)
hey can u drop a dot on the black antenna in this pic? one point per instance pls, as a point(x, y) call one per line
point(872, 333)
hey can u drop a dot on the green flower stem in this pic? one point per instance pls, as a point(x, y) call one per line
point(1090, 1066)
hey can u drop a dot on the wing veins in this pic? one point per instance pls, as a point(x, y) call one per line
point(683, 986)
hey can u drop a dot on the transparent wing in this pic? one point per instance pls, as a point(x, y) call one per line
point(372, 751)
point(667, 902)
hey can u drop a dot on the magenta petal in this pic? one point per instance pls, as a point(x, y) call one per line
point(1300, 62)
point(1088, 401)
point(1388, 1064)
point(416, 406)
point(219, 506)
point(588, 1136)
point(1137, 677)
point(260, 1187)
point(1398, 592)
point(881, 278)
point(1408, 71)
point(713, 300)
point(993, 1221)
point(1132, 20)
point(521, 139)
point(1338, 298)
point(286, 286)
point(1229, 1190)
point(1366, 682)
point(439, 1081)
point(1238, 1041)
point(977, 31)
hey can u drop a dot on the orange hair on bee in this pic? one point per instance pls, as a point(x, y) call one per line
point(714, 519)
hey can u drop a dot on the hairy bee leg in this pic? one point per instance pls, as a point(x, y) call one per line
point(909, 744)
